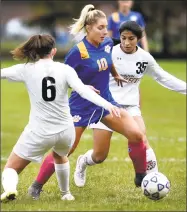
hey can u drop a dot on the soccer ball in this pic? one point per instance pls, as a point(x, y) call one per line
point(155, 185)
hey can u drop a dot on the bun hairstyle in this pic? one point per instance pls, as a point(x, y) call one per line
point(89, 15)
point(38, 46)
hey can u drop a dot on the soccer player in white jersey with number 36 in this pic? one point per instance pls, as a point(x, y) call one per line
point(50, 123)
point(131, 62)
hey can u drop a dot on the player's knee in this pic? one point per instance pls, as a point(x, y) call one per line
point(99, 157)
point(140, 136)
point(137, 136)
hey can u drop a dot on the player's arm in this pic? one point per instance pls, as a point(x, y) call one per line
point(164, 78)
point(118, 78)
point(13, 73)
point(144, 42)
point(87, 93)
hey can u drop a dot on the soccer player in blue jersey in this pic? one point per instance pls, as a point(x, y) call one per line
point(126, 14)
point(91, 58)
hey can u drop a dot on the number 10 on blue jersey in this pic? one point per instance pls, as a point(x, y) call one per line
point(102, 63)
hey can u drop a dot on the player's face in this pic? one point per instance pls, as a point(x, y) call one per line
point(128, 42)
point(98, 31)
point(125, 5)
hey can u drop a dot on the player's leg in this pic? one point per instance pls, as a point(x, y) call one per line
point(79, 131)
point(150, 155)
point(101, 145)
point(61, 162)
point(13, 167)
point(47, 168)
point(94, 156)
point(20, 157)
point(128, 127)
point(46, 171)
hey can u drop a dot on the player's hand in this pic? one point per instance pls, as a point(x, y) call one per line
point(94, 89)
point(120, 80)
point(114, 111)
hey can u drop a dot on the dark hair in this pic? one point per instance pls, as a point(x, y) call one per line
point(133, 27)
point(38, 46)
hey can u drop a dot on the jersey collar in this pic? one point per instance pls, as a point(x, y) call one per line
point(92, 46)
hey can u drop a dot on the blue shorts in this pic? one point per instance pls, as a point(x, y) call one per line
point(85, 115)
point(83, 119)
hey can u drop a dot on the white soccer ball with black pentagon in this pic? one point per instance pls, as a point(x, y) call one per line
point(155, 185)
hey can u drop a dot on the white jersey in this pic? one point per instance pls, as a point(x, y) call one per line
point(47, 83)
point(133, 67)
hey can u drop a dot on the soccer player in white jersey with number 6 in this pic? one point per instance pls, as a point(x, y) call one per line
point(131, 62)
point(50, 123)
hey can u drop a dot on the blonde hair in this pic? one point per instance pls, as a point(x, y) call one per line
point(38, 46)
point(89, 15)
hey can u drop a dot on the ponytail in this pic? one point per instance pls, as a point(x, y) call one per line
point(80, 23)
point(38, 46)
point(89, 15)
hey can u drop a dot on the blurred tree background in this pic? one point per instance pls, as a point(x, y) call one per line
point(165, 23)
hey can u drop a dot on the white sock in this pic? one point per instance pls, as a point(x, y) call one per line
point(151, 161)
point(87, 160)
point(9, 179)
point(62, 174)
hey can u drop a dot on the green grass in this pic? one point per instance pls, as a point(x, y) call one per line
point(110, 184)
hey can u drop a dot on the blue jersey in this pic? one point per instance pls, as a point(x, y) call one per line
point(115, 20)
point(93, 66)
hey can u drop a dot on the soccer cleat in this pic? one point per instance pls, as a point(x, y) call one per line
point(34, 191)
point(68, 197)
point(138, 179)
point(80, 173)
point(8, 196)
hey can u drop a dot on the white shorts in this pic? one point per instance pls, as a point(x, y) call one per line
point(132, 110)
point(32, 147)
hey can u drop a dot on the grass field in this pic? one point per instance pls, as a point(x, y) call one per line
point(109, 185)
